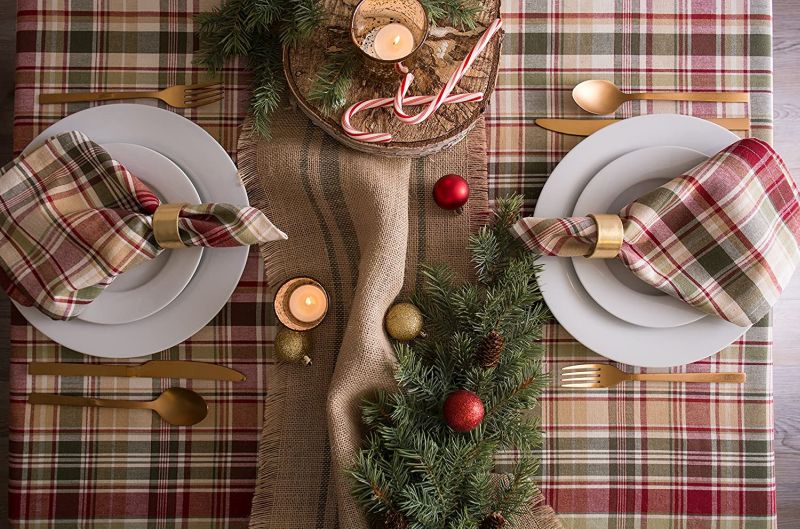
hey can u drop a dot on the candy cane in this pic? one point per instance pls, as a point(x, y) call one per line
point(444, 96)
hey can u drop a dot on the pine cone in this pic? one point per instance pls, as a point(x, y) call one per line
point(395, 520)
point(488, 353)
point(493, 521)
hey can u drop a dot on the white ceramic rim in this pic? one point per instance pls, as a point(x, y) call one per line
point(569, 302)
point(215, 177)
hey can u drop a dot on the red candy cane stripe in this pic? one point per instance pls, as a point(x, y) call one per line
point(400, 100)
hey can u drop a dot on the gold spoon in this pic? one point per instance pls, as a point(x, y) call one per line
point(603, 97)
point(178, 406)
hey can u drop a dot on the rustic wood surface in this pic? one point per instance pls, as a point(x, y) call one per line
point(7, 45)
point(787, 312)
point(433, 63)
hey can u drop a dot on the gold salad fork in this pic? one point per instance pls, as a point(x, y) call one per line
point(605, 376)
point(178, 96)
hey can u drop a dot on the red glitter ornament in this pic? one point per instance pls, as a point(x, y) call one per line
point(463, 411)
point(451, 192)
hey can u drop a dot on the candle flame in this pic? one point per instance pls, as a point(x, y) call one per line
point(396, 40)
point(309, 300)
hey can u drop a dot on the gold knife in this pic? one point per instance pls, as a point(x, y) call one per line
point(151, 369)
point(584, 127)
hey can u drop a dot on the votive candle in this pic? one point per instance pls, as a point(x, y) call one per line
point(308, 303)
point(389, 31)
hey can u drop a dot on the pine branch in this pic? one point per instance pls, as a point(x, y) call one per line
point(437, 478)
point(370, 483)
point(262, 14)
point(414, 376)
point(268, 85)
point(486, 254)
point(460, 13)
point(515, 493)
point(216, 28)
point(334, 79)
point(434, 299)
point(256, 30)
point(302, 18)
point(377, 411)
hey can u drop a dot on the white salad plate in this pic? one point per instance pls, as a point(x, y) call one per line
point(150, 286)
point(608, 281)
point(215, 178)
point(570, 303)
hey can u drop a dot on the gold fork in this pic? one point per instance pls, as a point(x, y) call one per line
point(178, 96)
point(606, 376)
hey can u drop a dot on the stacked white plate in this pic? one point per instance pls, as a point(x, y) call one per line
point(161, 303)
point(599, 302)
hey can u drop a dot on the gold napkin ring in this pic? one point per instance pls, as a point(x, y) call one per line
point(165, 226)
point(609, 236)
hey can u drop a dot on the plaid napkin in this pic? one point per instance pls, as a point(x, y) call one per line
point(722, 237)
point(72, 219)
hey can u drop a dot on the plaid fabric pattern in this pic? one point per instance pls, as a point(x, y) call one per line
point(650, 456)
point(722, 237)
point(73, 219)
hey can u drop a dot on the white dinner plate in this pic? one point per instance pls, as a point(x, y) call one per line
point(215, 178)
point(152, 285)
point(608, 281)
point(574, 308)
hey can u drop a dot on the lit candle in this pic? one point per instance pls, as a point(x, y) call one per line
point(389, 31)
point(393, 42)
point(308, 303)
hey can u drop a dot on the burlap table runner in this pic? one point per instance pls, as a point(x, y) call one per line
point(360, 225)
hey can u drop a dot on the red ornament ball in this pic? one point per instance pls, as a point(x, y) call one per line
point(463, 411)
point(451, 192)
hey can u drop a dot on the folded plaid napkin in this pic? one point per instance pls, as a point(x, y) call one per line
point(722, 237)
point(72, 219)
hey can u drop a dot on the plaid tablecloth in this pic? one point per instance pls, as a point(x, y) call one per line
point(639, 456)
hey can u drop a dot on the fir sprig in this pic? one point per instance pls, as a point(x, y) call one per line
point(268, 85)
point(460, 13)
point(412, 463)
point(256, 30)
point(334, 80)
point(301, 17)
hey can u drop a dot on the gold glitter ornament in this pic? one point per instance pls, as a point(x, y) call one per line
point(293, 346)
point(404, 322)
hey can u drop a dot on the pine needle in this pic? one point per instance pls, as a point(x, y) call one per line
point(302, 18)
point(334, 79)
point(460, 14)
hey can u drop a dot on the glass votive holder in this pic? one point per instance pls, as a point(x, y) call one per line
point(301, 303)
point(389, 31)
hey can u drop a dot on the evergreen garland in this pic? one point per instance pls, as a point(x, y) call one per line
point(258, 29)
point(413, 467)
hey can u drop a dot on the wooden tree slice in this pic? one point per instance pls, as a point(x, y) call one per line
point(432, 65)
